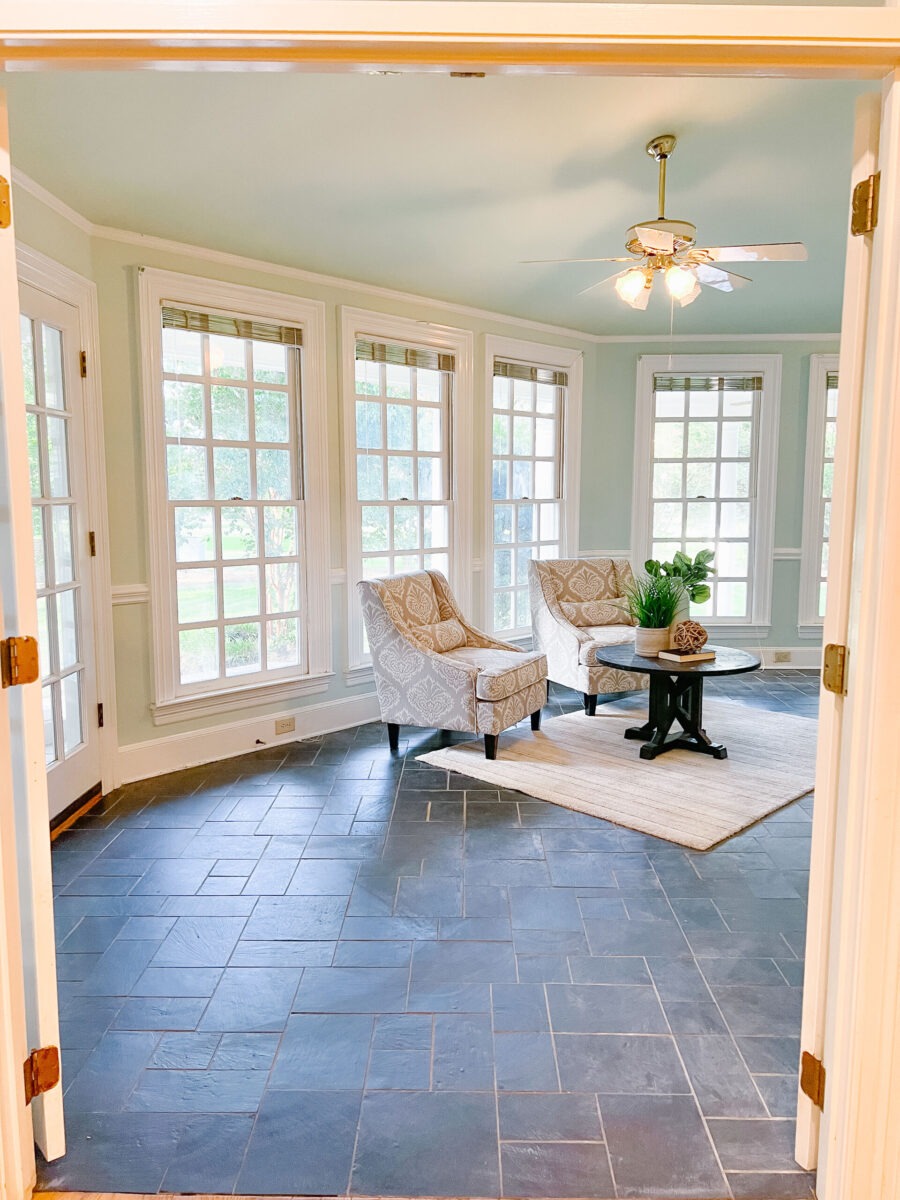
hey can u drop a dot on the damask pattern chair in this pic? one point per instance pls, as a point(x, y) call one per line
point(434, 669)
point(577, 606)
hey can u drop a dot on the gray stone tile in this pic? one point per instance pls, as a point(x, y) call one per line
point(184, 1051)
point(760, 1010)
point(302, 1144)
point(756, 971)
point(770, 1055)
point(389, 929)
point(543, 968)
point(437, 1125)
point(198, 1091)
point(146, 928)
point(525, 1062)
point(616, 1063)
point(372, 954)
point(120, 1150)
point(245, 1052)
point(636, 937)
point(352, 990)
point(549, 1117)
point(780, 1094)
point(754, 1145)
point(296, 918)
point(162, 1013)
point(758, 1185)
point(556, 1169)
point(409, 1031)
point(544, 908)
point(506, 873)
point(323, 1052)
point(671, 1156)
point(282, 954)
point(608, 970)
point(324, 877)
point(252, 999)
point(678, 979)
point(549, 941)
point(720, 1079)
point(92, 935)
point(118, 968)
point(694, 1016)
point(580, 870)
point(462, 962)
point(399, 1070)
point(519, 1008)
point(177, 981)
point(587, 1008)
point(463, 1053)
point(429, 898)
point(110, 1073)
point(475, 929)
point(209, 1153)
point(174, 877)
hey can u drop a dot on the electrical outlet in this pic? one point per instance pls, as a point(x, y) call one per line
point(781, 656)
point(285, 725)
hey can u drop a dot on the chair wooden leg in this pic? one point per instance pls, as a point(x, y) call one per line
point(393, 736)
point(490, 745)
point(590, 705)
point(536, 720)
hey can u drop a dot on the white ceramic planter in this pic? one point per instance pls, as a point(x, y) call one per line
point(682, 613)
point(649, 642)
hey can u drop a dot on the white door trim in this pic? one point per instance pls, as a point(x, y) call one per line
point(46, 275)
point(835, 626)
point(26, 723)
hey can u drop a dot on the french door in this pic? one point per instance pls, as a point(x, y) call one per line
point(49, 330)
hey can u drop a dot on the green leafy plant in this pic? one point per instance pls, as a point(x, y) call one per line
point(692, 573)
point(653, 600)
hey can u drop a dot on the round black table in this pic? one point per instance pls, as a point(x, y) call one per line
point(676, 694)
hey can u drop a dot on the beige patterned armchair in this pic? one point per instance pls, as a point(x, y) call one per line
point(433, 669)
point(577, 607)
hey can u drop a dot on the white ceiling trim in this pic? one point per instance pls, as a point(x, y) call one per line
point(226, 258)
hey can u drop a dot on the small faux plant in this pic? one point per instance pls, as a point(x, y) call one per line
point(653, 600)
point(691, 574)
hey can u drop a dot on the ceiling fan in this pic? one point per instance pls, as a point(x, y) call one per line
point(668, 246)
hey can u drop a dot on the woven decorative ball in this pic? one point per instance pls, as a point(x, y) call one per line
point(689, 635)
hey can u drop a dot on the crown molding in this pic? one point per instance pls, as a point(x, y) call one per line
point(130, 237)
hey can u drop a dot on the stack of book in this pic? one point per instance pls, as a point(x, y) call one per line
point(687, 656)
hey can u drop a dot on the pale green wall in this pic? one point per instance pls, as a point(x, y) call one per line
point(606, 443)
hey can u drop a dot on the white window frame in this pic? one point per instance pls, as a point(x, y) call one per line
point(535, 354)
point(809, 623)
point(762, 533)
point(359, 322)
point(155, 288)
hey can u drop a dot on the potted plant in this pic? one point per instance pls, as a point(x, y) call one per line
point(653, 601)
point(692, 574)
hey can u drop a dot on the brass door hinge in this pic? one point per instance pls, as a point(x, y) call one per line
point(41, 1072)
point(92, 543)
point(812, 1078)
point(834, 669)
point(5, 207)
point(82, 363)
point(18, 661)
point(864, 208)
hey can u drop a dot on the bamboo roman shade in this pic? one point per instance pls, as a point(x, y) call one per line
point(707, 383)
point(225, 326)
point(530, 374)
point(403, 356)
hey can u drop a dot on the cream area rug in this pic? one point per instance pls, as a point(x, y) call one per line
point(585, 763)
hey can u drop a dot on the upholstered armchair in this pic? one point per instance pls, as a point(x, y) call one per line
point(577, 606)
point(434, 669)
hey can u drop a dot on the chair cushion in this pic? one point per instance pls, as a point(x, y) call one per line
point(603, 635)
point(578, 580)
point(414, 596)
point(595, 612)
point(501, 673)
point(443, 635)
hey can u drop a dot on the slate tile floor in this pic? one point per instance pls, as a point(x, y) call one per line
point(317, 969)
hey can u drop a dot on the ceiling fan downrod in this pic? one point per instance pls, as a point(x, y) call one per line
point(661, 148)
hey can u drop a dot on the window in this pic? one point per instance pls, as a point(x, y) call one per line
point(531, 413)
point(404, 398)
point(705, 474)
point(235, 552)
point(821, 430)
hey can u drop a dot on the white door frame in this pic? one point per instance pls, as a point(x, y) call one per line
point(861, 1045)
point(29, 776)
point(46, 275)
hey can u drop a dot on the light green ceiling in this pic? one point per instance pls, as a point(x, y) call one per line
point(441, 186)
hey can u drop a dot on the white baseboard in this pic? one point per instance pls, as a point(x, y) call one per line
point(159, 756)
point(802, 658)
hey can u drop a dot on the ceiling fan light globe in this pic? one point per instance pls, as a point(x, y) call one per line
point(630, 285)
point(690, 296)
point(680, 282)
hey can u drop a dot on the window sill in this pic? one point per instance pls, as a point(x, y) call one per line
point(737, 631)
point(354, 676)
point(811, 630)
point(185, 708)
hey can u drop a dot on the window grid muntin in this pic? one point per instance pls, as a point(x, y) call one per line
point(371, 386)
point(512, 598)
point(663, 547)
point(263, 618)
point(57, 679)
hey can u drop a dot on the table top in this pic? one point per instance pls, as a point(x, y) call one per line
point(728, 661)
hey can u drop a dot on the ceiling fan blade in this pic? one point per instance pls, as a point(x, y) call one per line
point(530, 261)
point(601, 282)
point(658, 240)
point(723, 281)
point(772, 252)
